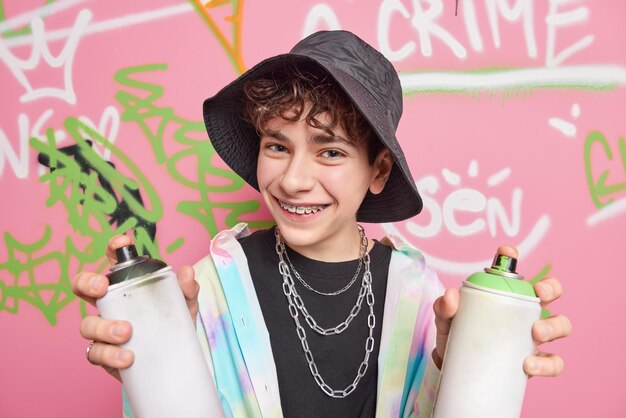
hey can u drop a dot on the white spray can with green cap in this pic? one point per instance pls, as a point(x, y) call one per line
point(491, 334)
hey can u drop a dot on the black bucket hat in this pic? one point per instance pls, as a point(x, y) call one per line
point(368, 79)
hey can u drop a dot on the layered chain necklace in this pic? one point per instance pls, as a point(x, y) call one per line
point(362, 252)
point(296, 306)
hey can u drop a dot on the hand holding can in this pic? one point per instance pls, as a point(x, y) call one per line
point(490, 336)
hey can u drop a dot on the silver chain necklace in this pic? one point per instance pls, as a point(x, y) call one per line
point(362, 252)
point(296, 304)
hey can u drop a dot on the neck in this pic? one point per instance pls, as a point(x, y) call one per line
point(342, 246)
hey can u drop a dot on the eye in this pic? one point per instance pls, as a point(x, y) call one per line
point(332, 154)
point(276, 148)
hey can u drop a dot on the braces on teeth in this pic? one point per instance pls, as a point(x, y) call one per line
point(301, 210)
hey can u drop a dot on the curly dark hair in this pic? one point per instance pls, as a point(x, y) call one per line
point(287, 93)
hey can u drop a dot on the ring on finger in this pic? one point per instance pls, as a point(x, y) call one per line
point(89, 347)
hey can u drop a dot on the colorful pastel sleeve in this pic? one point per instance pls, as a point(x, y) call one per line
point(219, 344)
point(425, 374)
point(423, 407)
point(127, 411)
point(232, 331)
point(408, 335)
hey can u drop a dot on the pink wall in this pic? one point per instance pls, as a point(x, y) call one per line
point(514, 129)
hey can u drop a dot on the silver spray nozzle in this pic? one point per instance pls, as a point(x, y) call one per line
point(130, 265)
point(504, 265)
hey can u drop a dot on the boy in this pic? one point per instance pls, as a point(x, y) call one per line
point(311, 318)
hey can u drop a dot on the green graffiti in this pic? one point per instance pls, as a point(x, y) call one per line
point(41, 278)
point(138, 98)
point(79, 185)
point(140, 109)
point(25, 30)
point(100, 202)
point(26, 284)
point(543, 273)
point(175, 245)
point(598, 188)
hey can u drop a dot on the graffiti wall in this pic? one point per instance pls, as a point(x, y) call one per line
point(514, 128)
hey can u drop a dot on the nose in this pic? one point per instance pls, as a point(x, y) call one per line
point(298, 176)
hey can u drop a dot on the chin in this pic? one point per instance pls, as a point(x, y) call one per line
point(296, 236)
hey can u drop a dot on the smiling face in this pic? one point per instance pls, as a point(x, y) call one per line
point(313, 184)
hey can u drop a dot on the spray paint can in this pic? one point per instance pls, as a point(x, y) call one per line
point(170, 376)
point(490, 336)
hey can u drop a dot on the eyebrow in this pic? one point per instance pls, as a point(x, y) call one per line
point(321, 139)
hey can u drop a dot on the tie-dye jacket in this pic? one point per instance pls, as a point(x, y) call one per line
point(235, 339)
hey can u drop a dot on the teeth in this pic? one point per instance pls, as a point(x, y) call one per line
point(301, 210)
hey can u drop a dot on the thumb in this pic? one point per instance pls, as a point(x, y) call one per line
point(445, 308)
point(190, 288)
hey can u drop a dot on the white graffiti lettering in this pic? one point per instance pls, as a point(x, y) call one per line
point(424, 22)
point(428, 186)
point(480, 215)
point(42, 12)
point(387, 10)
point(611, 211)
point(20, 67)
point(108, 127)
point(320, 13)
point(522, 8)
point(20, 163)
point(496, 211)
point(556, 19)
point(108, 25)
point(465, 200)
point(441, 264)
point(471, 25)
point(567, 128)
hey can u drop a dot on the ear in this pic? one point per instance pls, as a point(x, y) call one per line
point(382, 169)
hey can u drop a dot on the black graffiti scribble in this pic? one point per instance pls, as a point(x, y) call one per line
point(122, 211)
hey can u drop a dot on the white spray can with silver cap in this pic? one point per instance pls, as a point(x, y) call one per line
point(169, 376)
point(491, 334)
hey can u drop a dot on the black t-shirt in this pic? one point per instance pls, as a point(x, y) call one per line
point(337, 357)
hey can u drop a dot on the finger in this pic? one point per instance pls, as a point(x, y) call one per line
point(545, 330)
point(544, 364)
point(110, 356)
point(190, 288)
point(103, 330)
point(508, 250)
point(89, 286)
point(116, 242)
point(548, 290)
point(445, 308)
